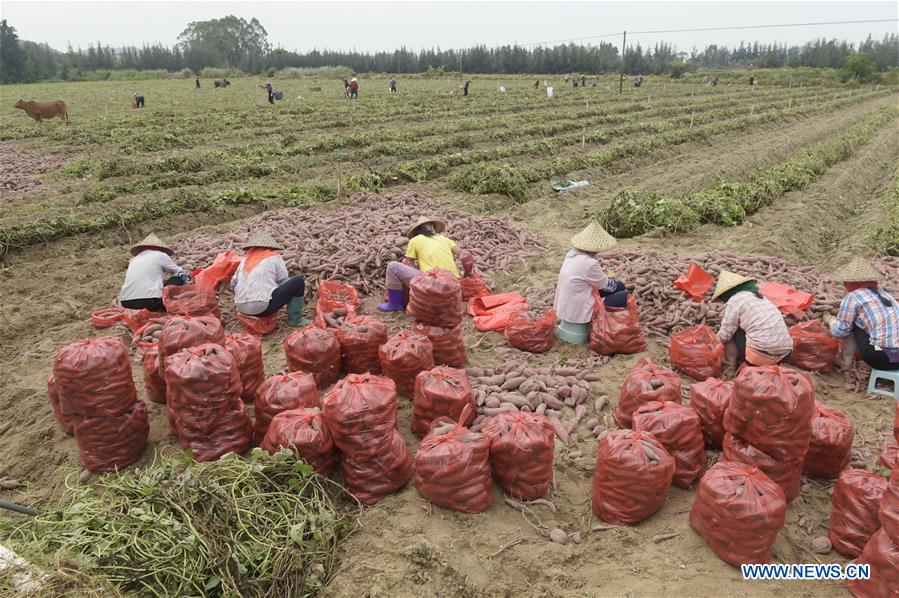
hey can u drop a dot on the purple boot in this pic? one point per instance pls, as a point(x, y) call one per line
point(394, 301)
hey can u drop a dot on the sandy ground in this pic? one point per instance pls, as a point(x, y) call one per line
point(404, 548)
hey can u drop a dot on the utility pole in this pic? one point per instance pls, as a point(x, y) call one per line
point(621, 78)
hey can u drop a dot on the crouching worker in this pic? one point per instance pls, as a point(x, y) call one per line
point(752, 328)
point(427, 249)
point(262, 284)
point(581, 274)
point(149, 270)
point(868, 319)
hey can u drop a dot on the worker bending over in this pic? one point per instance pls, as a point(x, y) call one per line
point(149, 270)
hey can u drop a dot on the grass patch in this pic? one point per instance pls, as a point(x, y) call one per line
point(481, 179)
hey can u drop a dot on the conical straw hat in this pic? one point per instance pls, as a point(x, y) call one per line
point(593, 239)
point(262, 239)
point(439, 225)
point(858, 270)
point(151, 241)
point(728, 280)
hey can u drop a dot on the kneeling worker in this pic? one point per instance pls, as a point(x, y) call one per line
point(149, 270)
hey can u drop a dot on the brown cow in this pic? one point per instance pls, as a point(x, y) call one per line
point(41, 110)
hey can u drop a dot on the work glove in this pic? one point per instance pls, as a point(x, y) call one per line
point(185, 278)
point(467, 261)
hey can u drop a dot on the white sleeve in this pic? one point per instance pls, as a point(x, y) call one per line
point(168, 264)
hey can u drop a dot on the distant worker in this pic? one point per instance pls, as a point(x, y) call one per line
point(536, 83)
point(593, 82)
point(354, 88)
point(638, 80)
point(197, 82)
point(393, 85)
point(751, 81)
point(270, 91)
point(138, 100)
point(583, 80)
point(149, 270)
point(574, 80)
point(465, 88)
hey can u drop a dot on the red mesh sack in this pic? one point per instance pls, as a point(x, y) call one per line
point(360, 411)
point(473, 286)
point(447, 343)
point(259, 326)
point(110, 443)
point(360, 338)
point(813, 347)
point(64, 420)
point(335, 295)
point(889, 508)
point(435, 297)
point(147, 335)
point(106, 317)
point(527, 333)
point(644, 383)
point(896, 423)
point(678, 428)
point(282, 393)
point(218, 272)
point(403, 356)
point(452, 468)
point(786, 473)
point(772, 410)
point(305, 432)
point(710, 399)
point(440, 391)
point(184, 332)
point(697, 352)
point(889, 456)
point(135, 319)
point(856, 499)
point(153, 380)
point(738, 511)
point(616, 329)
point(633, 473)
point(521, 453)
point(831, 443)
point(246, 349)
point(190, 300)
point(233, 433)
point(315, 351)
point(93, 377)
point(882, 554)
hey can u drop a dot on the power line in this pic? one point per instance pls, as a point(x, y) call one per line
point(698, 29)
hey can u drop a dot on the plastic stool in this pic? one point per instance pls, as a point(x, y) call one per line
point(576, 334)
point(883, 375)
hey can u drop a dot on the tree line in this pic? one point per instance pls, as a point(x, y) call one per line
point(242, 46)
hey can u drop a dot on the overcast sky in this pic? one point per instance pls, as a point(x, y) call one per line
point(387, 25)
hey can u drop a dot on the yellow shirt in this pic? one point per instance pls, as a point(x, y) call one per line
point(432, 252)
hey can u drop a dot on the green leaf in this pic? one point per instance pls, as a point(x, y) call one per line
point(212, 582)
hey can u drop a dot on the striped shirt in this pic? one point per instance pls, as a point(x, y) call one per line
point(862, 307)
point(760, 319)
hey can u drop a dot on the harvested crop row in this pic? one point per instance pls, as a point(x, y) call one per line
point(17, 169)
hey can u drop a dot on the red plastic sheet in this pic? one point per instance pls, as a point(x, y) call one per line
point(403, 356)
point(106, 317)
point(896, 423)
point(282, 393)
point(441, 391)
point(260, 326)
point(646, 382)
point(316, 351)
point(306, 433)
point(64, 420)
point(813, 347)
point(882, 554)
point(697, 352)
point(710, 399)
point(93, 378)
point(696, 282)
point(889, 456)
point(633, 473)
point(435, 297)
point(246, 349)
point(218, 273)
point(787, 299)
point(153, 380)
point(183, 332)
point(521, 453)
point(856, 501)
point(190, 300)
point(452, 470)
point(203, 390)
point(679, 430)
point(360, 411)
point(786, 473)
point(493, 312)
point(738, 511)
point(527, 333)
point(335, 295)
point(616, 330)
point(473, 286)
point(360, 339)
point(111, 443)
point(830, 448)
point(448, 344)
point(889, 508)
point(772, 410)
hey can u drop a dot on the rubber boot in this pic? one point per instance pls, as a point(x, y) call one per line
point(394, 301)
point(295, 317)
